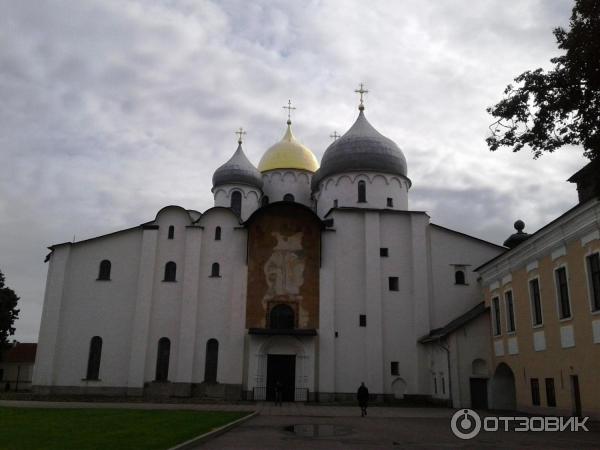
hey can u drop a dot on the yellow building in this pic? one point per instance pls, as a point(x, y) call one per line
point(544, 300)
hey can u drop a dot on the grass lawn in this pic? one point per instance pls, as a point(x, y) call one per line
point(114, 429)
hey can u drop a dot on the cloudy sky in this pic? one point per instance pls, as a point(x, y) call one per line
point(110, 110)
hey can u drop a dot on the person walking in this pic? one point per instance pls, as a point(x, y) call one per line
point(362, 395)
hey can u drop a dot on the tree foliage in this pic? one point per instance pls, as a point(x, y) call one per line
point(8, 312)
point(547, 110)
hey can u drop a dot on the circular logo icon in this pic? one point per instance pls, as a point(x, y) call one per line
point(465, 424)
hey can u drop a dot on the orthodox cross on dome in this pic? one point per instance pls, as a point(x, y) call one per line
point(335, 135)
point(361, 91)
point(240, 133)
point(289, 107)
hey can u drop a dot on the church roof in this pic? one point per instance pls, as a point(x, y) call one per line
point(238, 170)
point(455, 324)
point(288, 153)
point(361, 148)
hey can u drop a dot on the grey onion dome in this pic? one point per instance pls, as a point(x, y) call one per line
point(361, 148)
point(238, 170)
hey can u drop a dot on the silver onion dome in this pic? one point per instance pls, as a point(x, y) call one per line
point(238, 170)
point(361, 148)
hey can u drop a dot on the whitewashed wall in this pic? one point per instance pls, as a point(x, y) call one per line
point(277, 183)
point(344, 189)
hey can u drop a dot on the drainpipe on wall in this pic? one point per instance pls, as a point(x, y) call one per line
point(447, 350)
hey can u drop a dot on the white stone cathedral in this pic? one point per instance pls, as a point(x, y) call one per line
point(313, 278)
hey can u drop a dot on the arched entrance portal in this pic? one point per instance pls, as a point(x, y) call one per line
point(502, 389)
point(282, 360)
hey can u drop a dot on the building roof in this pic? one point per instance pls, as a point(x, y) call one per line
point(288, 153)
point(20, 353)
point(452, 326)
point(361, 148)
point(237, 170)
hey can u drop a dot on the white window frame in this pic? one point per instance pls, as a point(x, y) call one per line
point(588, 279)
point(507, 310)
point(531, 307)
point(557, 294)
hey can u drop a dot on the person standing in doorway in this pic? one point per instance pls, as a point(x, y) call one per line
point(362, 395)
point(278, 393)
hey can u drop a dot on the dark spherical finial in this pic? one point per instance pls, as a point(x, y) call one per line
point(519, 225)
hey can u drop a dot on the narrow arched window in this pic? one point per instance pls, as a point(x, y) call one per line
point(218, 234)
point(362, 192)
point(215, 270)
point(93, 367)
point(212, 361)
point(282, 317)
point(104, 272)
point(459, 277)
point(162, 359)
point(171, 234)
point(265, 200)
point(236, 202)
point(288, 198)
point(170, 271)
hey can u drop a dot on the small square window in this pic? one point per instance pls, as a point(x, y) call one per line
point(362, 320)
point(383, 252)
point(394, 369)
point(393, 282)
point(390, 202)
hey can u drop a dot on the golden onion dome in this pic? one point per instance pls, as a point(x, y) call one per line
point(288, 154)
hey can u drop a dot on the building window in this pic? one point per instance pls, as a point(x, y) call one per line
point(435, 390)
point(550, 394)
point(104, 271)
point(393, 283)
point(394, 369)
point(335, 203)
point(593, 263)
point(459, 277)
point(510, 312)
point(496, 316)
point(215, 270)
point(288, 198)
point(282, 318)
point(265, 200)
point(162, 359)
point(170, 271)
point(93, 367)
point(562, 291)
point(212, 361)
point(390, 202)
point(536, 305)
point(236, 202)
point(171, 233)
point(217, 233)
point(443, 385)
point(362, 192)
point(362, 320)
point(1, 374)
point(383, 252)
point(535, 392)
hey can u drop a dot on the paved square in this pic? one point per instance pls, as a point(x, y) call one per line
point(393, 428)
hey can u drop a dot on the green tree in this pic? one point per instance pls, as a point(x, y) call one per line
point(8, 312)
point(547, 110)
